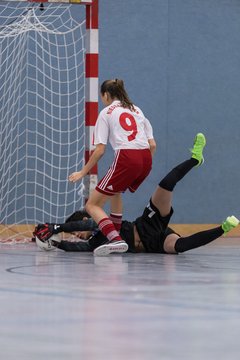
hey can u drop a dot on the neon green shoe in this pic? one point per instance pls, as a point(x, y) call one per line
point(198, 146)
point(230, 223)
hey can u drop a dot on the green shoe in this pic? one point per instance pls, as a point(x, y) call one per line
point(198, 146)
point(230, 223)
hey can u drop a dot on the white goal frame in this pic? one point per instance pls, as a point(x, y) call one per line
point(91, 93)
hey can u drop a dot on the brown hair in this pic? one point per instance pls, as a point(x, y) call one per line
point(116, 90)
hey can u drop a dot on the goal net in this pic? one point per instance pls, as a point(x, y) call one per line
point(42, 113)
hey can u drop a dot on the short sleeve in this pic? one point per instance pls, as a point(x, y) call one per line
point(148, 129)
point(101, 130)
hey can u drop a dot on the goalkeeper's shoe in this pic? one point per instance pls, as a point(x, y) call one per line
point(230, 223)
point(198, 146)
point(49, 244)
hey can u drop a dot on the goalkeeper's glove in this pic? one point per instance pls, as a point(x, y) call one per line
point(43, 231)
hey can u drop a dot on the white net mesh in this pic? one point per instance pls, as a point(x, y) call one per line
point(42, 73)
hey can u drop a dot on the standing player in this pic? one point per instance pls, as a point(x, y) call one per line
point(131, 137)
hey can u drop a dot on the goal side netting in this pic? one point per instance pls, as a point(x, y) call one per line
point(42, 111)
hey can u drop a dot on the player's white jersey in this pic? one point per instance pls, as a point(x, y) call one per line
point(123, 128)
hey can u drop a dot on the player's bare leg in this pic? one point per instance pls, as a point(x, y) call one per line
point(115, 243)
point(116, 211)
point(116, 203)
point(95, 204)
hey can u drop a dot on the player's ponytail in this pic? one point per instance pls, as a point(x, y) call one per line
point(116, 90)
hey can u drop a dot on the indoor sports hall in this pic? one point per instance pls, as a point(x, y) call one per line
point(180, 61)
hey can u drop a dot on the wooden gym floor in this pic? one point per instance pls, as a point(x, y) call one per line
point(57, 305)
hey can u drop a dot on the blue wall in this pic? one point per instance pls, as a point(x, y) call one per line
point(180, 60)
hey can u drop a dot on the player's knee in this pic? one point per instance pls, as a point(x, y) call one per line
point(169, 243)
point(88, 207)
point(91, 207)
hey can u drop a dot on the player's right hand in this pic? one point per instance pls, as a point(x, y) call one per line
point(78, 175)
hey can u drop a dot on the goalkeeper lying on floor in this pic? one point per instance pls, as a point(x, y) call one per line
point(149, 232)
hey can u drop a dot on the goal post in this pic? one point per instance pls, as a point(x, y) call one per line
point(48, 109)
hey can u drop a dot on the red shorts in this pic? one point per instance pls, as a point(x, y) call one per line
point(128, 170)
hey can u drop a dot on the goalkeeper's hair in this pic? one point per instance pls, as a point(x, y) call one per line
point(78, 215)
point(116, 89)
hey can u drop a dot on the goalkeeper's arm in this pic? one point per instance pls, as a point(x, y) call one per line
point(79, 225)
point(45, 231)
